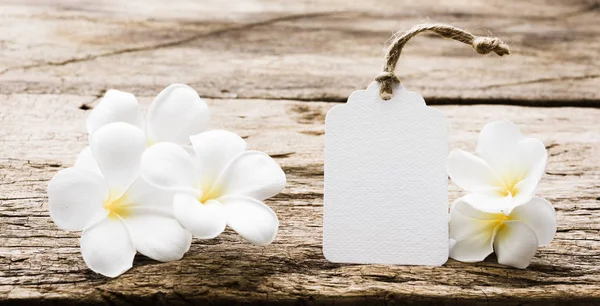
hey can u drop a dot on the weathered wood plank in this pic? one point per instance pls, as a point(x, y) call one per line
point(306, 51)
point(40, 134)
point(58, 57)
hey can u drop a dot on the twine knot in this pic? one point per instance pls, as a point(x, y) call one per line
point(481, 44)
point(386, 81)
point(485, 45)
point(387, 76)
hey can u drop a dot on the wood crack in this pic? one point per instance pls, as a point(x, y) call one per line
point(174, 43)
point(256, 74)
point(544, 80)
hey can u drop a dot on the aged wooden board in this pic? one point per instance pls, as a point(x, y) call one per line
point(266, 65)
point(41, 134)
point(305, 50)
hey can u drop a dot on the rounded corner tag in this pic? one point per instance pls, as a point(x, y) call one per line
point(385, 193)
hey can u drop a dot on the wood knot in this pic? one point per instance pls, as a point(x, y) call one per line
point(485, 45)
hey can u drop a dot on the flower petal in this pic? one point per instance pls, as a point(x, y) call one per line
point(118, 149)
point(115, 106)
point(176, 114)
point(169, 166)
point(85, 160)
point(205, 221)
point(497, 143)
point(142, 193)
point(250, 218)
point(475, 247)
point(471, 232)
point(251, 173)
point(213, 151)
point(525, 192)
point(530, 159)
point(76, 198)
point(157, 234)
point(540, 217)
point(489, 202)
point(107, 248)
point(515, 244)
point(467, 210)
point(470, 172)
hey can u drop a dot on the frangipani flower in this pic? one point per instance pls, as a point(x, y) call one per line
point(174, 115)
point(514, 237)
point(221, 184)
point(506, 172)
point(118, 211)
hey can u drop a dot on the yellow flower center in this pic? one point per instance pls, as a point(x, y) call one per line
point(117, 207)
point(500, 221)
point(213, 192)
point(508, 184)
point(510, 187)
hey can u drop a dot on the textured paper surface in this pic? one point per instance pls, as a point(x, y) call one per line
point(386, 187)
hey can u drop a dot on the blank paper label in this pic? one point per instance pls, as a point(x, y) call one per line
point(386, 187)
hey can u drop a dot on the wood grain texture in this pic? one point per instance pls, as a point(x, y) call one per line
point(268, 69)
point(41, 134)
point(308, 50)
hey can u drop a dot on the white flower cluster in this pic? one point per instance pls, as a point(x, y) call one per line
point(146, 185)
point(500, 213)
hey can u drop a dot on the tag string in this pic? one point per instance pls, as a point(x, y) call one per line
point(482, 44)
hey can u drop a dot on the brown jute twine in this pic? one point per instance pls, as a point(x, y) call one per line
point(481, 44)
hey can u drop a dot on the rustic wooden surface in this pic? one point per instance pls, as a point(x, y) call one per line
point(270, 72)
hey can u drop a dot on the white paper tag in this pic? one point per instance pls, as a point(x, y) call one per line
point(386, 187)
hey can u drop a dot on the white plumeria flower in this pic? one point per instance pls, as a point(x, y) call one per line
point(221, 184)
point(118, 211)
point(506, 172)
point(514, 237)
point(174, 115)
